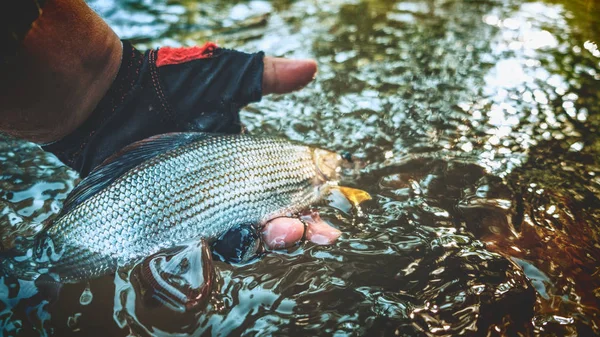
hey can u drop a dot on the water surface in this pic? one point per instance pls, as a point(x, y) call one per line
point(478, 121)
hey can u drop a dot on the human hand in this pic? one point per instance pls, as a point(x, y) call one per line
point(243, 243)
point(197, 89)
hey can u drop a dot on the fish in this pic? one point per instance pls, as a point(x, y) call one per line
point(172, 188)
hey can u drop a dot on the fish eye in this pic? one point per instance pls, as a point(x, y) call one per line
point(347, 156)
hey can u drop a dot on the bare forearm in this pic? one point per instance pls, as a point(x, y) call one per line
point(66, 63)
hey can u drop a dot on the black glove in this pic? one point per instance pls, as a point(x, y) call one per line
point(165, 90)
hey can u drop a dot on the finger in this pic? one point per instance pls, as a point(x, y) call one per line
point(284, 75)
point(282, 233)
point(318, 231)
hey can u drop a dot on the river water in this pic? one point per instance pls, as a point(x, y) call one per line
point(478, 123)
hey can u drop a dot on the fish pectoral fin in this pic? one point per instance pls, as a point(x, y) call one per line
point(354, 195)
point(239, 244)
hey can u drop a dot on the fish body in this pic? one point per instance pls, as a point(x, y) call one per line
point(199, 188)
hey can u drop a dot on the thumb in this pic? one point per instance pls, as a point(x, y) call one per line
point(284, 75)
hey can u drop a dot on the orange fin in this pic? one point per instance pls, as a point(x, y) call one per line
point(355, 196)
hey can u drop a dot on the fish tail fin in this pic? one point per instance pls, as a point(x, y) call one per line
point(12, 265)
point(18, 247)
point(19, 262)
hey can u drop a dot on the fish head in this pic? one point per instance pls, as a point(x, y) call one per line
point(328, 165)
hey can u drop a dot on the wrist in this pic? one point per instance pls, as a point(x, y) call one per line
point(60, 75)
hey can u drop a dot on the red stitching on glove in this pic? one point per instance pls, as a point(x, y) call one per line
point(170, 55)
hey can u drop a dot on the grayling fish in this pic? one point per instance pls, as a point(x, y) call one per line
point(169, 189)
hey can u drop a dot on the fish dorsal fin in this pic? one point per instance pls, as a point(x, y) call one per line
point(124, 160)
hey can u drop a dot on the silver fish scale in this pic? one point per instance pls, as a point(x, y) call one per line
point(196, 191)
